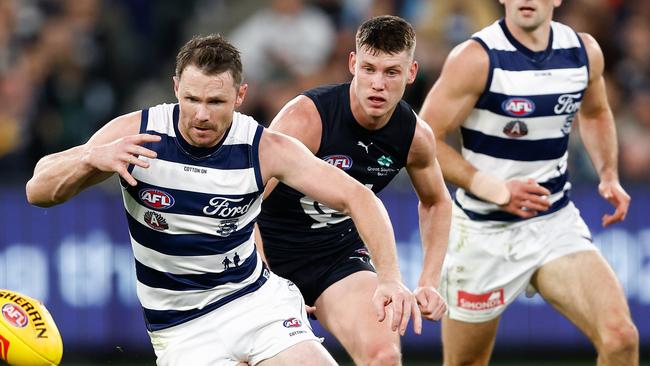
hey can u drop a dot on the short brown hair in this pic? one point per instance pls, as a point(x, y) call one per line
point(386, 33)
point(213, 54)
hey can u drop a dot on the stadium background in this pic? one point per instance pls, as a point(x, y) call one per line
point(69, 66)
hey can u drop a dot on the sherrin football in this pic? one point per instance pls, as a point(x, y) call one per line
point(28, 335)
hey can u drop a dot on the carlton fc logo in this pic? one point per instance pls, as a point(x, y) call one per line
point(516, 129)
point(343, 162)
point(518, 107)
point(157, 199)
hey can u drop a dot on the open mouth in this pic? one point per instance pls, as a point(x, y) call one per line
point(376, 100)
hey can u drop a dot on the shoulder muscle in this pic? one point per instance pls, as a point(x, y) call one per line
point(299, 118)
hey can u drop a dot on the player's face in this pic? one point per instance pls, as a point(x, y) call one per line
point(530, 14)
point(207, 104)
point(379, 82)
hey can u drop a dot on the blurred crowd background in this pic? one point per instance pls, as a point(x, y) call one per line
point(69, 66)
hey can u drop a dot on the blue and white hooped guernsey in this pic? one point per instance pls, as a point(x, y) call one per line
point(520, 125)
point(191, 220)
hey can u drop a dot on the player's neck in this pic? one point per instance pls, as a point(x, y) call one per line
point(535, 40)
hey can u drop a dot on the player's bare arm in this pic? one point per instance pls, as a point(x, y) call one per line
point(598, 133)
point(451, 99)
point(434, 211)
point(289, 161)
point(60, 176)
point(298, 118)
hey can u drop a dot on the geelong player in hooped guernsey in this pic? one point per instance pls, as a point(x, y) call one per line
point(194, 207)
point(520, 125)
point(514, 91)
point(192, 176)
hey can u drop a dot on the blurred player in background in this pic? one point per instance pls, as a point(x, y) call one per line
point(514, 90)
point(192, 175)
point(367, 130)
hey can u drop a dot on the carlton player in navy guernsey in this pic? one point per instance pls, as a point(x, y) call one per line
point(514, 91)
point(192, 177)
point(367, 131)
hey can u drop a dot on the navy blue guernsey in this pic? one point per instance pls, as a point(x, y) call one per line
point(290, 221)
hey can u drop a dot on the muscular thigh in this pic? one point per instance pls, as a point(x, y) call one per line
point(584, 288)
point(468, 343)
point(345, 309)
point(304, 353)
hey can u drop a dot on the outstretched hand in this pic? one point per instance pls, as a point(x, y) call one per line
point(527, 198)
point(616, 195)
point(117, 155)
point(392, 297)
point(432, 305)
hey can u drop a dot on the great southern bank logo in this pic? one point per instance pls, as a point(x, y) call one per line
point(518, 107)
point(343, 162)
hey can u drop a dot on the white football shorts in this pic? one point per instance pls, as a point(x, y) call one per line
point(249, 329)
point(487, 266)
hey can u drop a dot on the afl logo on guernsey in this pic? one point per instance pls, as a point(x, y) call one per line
point(516, 129)
point(518, 107)
point(155, 198)
point(343, 162)
point(14, 315)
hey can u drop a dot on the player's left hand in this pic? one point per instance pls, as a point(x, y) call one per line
point(432, 305)
point(401, 303)
point(616, 195)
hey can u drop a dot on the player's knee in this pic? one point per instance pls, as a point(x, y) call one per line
point(383, 355)
point(620, 337)
point(466, 360)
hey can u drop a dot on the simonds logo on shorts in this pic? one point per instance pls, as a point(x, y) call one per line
point(485, 301)
point(292, 323)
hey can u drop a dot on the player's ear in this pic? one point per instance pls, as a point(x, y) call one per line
point(413, 72)
point(352, 61)
point(241, 94)
point(176, 81)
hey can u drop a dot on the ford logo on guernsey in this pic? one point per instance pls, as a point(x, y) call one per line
point(157, 199)
point(340, 161)
point(15, 315)
point(518, 107)
point(292, 323)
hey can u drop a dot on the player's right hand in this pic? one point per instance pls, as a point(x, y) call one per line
point(396, 299)
point(117, 155)
point(527, 198)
